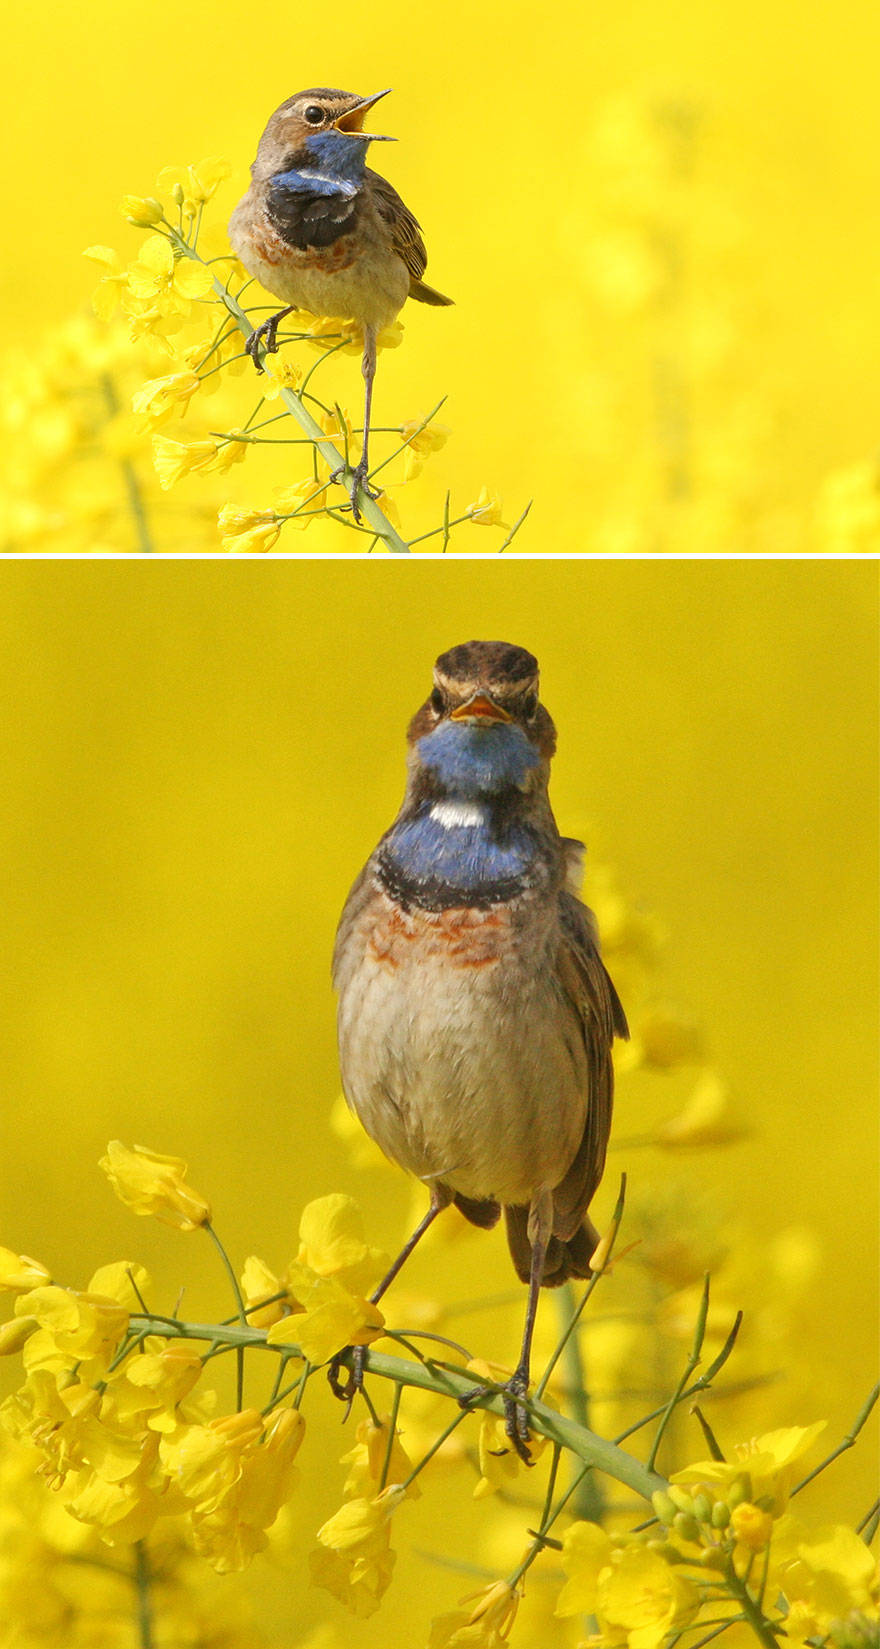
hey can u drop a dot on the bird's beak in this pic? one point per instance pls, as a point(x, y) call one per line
point(352, 121)
point(480, 709)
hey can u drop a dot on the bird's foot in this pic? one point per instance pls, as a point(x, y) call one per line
point(266, 334)
point(347, 1388)
point(516, 1416)
point(356, 481)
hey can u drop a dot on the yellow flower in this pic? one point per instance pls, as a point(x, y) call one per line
point(499, 1461)
point(420, 442)
point(146, 1390)
point(109, 289)
point(169, 282)
point(634, 1593)
point(160, 398)
point(153, 1184)
point(18, 1272)
point(77, 1326)
point(486, 512)
point(371, 1456)
point(298, 502)
point(173, 459)
point(53, 1420)
point(258, 1285)
point(825, 1575)
point(247, 532)
point(356, 1561)
point(331, 1318)
point(142, 212)
point(191, 186)
point(752, 1526)
point(486, 1626)
point(331, 1242)
point(280, 374)
point(767, 1460)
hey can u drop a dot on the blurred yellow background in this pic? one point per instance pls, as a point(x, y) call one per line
point(198, 758)
point(656, 223)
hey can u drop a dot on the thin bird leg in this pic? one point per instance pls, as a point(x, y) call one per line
point(267, 335)
point(368, 367)
point(346, 1389)
point(516, 1419)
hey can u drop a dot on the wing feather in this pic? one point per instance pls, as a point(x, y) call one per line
point(406, 236)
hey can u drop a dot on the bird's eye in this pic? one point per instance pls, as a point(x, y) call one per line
point(436, 702)
point(530, 706)
point(314, 115)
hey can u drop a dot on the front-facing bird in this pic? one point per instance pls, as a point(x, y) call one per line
point(323, 233)
point(475, 1015)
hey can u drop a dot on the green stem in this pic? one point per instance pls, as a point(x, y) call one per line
point(443, 1382)
point(369, 507)
point(142, 1579)
point(242, 1313)
point(847, 1442)
point(759, 1624)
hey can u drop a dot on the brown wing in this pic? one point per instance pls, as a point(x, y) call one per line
point(597, 1004)
point(406, 237)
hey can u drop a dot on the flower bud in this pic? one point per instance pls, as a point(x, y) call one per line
point(142, 211)
point(702, 1507)
point(664, 1506)
point(720, 1514)
point(686, 1526)
point(681, 1499)
point(740, 1489)
point(752, 1526)
point(15, 1333)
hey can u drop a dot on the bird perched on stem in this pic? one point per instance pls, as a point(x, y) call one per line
point(475, 1015)
point(323, 233)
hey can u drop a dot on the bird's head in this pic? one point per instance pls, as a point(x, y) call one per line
point(483, 731)
point(321, 128)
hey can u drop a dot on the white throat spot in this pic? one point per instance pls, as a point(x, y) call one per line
point(458, 815)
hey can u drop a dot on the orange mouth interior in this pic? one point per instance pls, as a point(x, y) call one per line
point(479, 708)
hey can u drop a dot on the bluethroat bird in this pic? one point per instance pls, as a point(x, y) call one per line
point(323, 233)
point(476, 1017)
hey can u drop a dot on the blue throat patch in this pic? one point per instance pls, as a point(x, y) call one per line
point(334, 164)
point(473, 762)
point(461, 848)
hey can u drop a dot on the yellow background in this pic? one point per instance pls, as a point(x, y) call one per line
point(198, 758)
point(537, 150)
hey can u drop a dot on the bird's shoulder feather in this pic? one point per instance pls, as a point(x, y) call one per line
point(406, 238)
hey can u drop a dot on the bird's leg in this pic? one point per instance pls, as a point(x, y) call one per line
point(346, 1389)
point(516, 1419)
point(358, 479)
point(267, 335)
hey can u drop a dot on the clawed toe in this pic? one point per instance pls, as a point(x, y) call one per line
point(516, 1418)
point(346, 1379)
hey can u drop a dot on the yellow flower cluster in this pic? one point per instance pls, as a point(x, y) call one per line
point(354, 1559)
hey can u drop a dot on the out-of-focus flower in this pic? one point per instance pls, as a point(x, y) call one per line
point(486, 1626)
point(355, 1560)
point(331, 1242)
point(499, 1461)
point(827, 1576)
point(152, 1184)
point(259, 1287)
point(191, 186)
point(707, 1117)
point(174, 459)
point(375, 1453)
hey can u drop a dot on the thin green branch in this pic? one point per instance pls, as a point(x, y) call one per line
point(329, 452)
point(693, 1360)
point(847, 1442)
point(142, 1578)
point(242, 1313)
point(595, 1451)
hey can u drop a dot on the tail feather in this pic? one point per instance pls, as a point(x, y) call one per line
point(564, 1258)
point(427, 294)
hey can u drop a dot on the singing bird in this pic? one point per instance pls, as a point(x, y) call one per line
point(323, 233)
point(476, 1017)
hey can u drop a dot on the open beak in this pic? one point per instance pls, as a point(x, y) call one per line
point(480, 709)
point(352, 121)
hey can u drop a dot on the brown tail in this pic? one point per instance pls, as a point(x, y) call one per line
point(564, 1258)
point(427, 294)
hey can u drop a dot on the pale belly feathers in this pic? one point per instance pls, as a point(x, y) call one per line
point(367, 283)
point(461, 1057)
